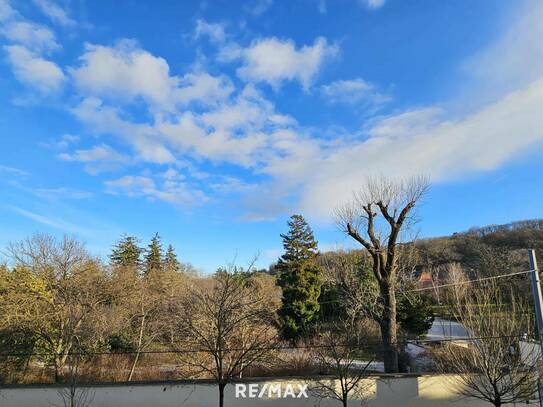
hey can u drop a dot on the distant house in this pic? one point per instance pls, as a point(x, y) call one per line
point(423, 278)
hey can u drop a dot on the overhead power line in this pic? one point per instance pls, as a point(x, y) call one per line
point(471, 281)
point(367, 345)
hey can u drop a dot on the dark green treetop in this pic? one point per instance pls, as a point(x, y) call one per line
point(170, 260)
point(299, 243)
point(126, 252)
point(153, 255)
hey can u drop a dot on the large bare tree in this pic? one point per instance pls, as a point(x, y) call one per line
point(376, 217)
point(55, 293)
point(226, 328)
point(495, 365)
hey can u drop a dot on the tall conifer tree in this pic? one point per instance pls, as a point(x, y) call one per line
point(153, 255)
point(170, 260)
point(126, 252)
point(300, 279)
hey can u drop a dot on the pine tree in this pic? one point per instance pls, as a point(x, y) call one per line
point(170, 260)
point(126, 252)
point(300, 279)
point(153, 255)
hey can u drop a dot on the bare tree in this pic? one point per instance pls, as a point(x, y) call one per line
point(495, 365)
point(376, 217)
point(358, 292)
point(73, 394)
point(142, 305)
point(340, 359)
point(454, 276)
point(225, 329)
point(55, 293)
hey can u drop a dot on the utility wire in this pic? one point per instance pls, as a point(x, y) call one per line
point(471, 281)
point(366, 345)
point(437, 286)
point(303, 346)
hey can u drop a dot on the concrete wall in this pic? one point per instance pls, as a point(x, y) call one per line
point(422, 391)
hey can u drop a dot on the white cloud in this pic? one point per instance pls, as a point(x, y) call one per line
point(126, 71)
point(424, 141)
point(97, 159)
point(14, 171)
point(236, 131)
point(54, 12)
point(48, 221)
point(66, 140)
point(294, 167)
point(214, 31)
point(62, 143)
point(33, 36)
point(143, 137)
point(273, 60)
point(353, 91)
point(44, 75)
point(6, 11)
point(233, 185)
point(203, 88)
point(171, 174)
point(322, 7)
point(97, 153)
point(171, 191)
point(260, 7)
point(229, 52)
point(515, 59)
point(373, 4)
point(61, 192)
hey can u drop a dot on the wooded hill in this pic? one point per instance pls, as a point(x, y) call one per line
point(488, 250)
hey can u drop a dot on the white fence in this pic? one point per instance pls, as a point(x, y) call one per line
point(415, 391)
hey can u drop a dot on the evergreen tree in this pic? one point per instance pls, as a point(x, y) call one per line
point(153, 255)
point(300, 279)
point(170, 260)
point(126, 252)
point(415, 314)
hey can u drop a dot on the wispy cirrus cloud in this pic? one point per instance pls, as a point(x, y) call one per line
point(373, 4)
point(97, 159)
point(170, 190)
point(47, 220)
point(355, 91)
point(33, 36)
point(14, 171)
point(61, 193)
point(56, 13)
point(214, 31)
point(259, 7)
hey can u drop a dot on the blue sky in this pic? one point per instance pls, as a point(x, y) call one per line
point(211, 122)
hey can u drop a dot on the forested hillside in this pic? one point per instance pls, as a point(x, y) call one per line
point(487, 250)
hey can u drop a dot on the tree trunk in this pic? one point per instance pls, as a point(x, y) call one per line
point(345, 398)
point(388, 327)
point(57, 374)
point(138, 349)
point(133, 368)
point(497, 398)
point(221, 394)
